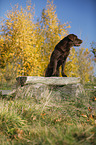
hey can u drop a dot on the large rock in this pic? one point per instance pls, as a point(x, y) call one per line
point(55, 81)
point(34, 86)
point(60, 86)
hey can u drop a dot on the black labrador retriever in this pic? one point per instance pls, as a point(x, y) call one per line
point(60, 54)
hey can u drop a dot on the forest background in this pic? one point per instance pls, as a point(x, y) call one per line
point(26, 46)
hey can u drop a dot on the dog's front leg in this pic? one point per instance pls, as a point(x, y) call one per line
point(54, 68)
point(63, 66)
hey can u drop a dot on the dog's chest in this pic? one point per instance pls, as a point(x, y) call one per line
point(63, 56)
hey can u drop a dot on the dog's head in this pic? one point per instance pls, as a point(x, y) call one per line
point(74, 40)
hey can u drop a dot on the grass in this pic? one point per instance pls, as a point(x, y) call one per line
point(47, 121)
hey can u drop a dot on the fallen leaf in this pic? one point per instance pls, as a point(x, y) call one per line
point(90, 116)
point(84, 115)
point(90, 109)
point(34, 118)
point(58, 120)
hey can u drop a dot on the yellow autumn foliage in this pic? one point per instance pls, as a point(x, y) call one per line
point(79, 64)
point(26, 46)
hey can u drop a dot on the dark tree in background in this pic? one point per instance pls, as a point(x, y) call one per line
point(93, 49)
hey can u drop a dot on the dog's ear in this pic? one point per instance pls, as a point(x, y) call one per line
point(71, 37)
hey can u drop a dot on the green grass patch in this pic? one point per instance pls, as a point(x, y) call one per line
point(29, 121)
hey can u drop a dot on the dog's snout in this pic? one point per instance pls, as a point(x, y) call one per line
point(81, 41)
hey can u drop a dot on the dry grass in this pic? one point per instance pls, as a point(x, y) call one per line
point(33, 120)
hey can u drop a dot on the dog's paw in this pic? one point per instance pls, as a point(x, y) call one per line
point(63, 75)
point(54, 73)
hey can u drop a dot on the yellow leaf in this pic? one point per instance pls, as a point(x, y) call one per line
point(84, 115)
